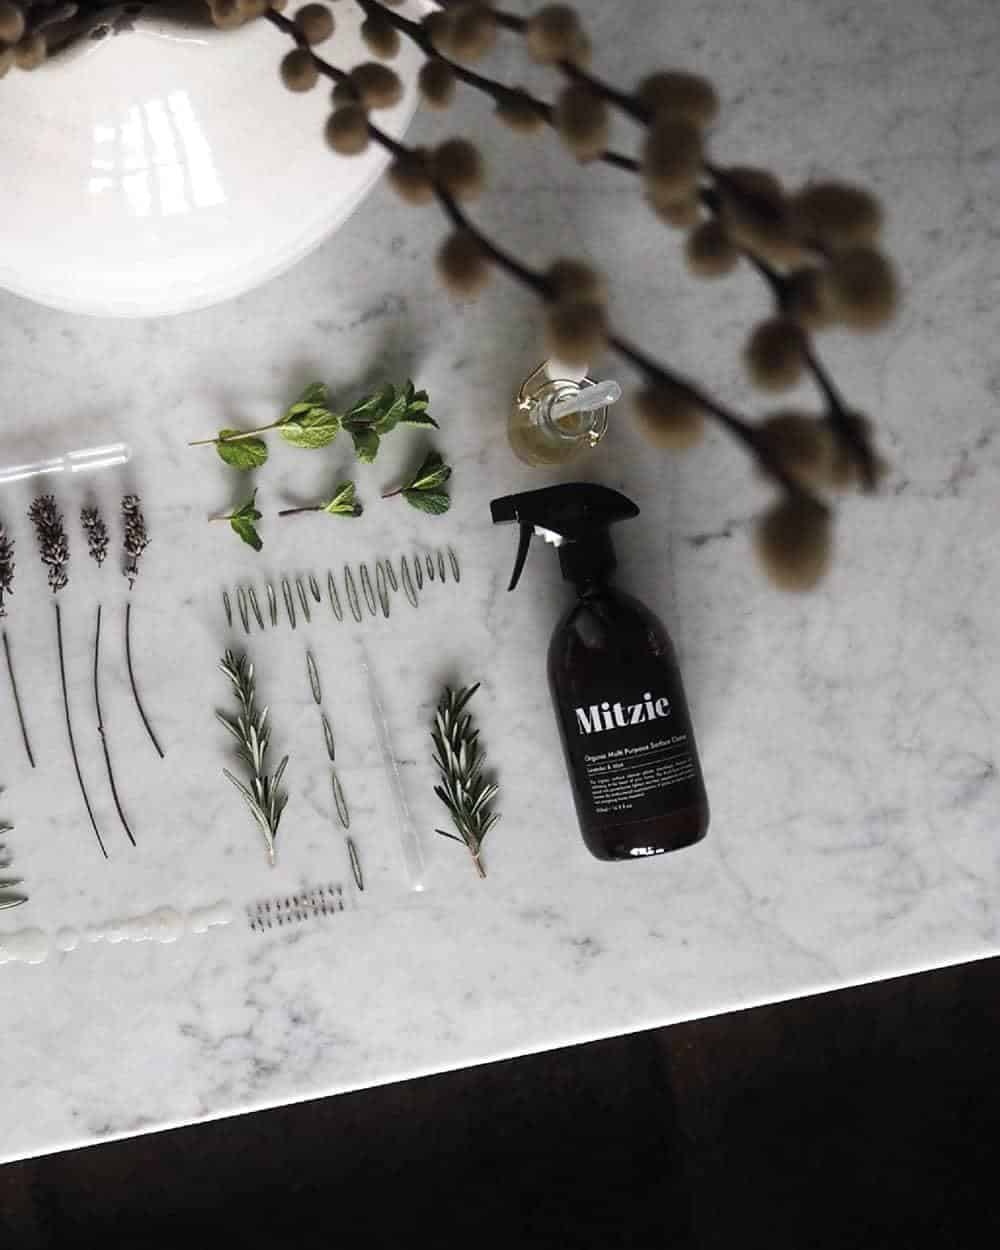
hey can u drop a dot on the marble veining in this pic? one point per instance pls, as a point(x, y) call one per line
point(849, 739)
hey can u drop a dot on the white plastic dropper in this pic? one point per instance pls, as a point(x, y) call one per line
point(600, 395)
point(84, 461)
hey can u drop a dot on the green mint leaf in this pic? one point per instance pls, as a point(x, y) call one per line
point(247, 511)
point(418, 417)
point(431, 474)
point(246, 529)
point(316, 395)
point(313, 428)
point(248, 453)
point(433, 501)
point(344, 501)
point(371, 406)
point(365, 444)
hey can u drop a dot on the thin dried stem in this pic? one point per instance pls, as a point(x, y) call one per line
point(132, 682)
point(69, 734)
point(101, 731)
point(17, 701)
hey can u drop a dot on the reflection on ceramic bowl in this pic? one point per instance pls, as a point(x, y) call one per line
point(166, 168)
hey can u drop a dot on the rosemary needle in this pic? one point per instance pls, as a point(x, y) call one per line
point(441, 565)
point(286, 592)
point(241, 603)
point(369, 593)
point(352, 855)
point(382, 589)
point(227, 608)
point(456, 572)
point(352, 594)
point(418, 569)
point(314, 589)
point(328, 739)
point(255, 607)
point(411, 594)
point(303, 599)
point(331, 589)
point(390, 574)
point(339, 801)
point(313, 671)
point(272, 604)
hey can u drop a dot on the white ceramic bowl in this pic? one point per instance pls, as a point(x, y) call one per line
point(166, 168)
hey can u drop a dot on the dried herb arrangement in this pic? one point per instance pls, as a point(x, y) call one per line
point(263, 796)
point(459, 758)
point(6, 591)
point(53, 546)
point(135, 543)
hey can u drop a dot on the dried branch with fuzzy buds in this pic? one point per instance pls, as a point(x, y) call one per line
point(97, 534)
point(136, 539)
point(53, 545)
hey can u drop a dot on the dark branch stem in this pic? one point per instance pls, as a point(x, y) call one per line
point(17, 701)
point(69, 734)
point(101, 732)
point(132, 682)
point(295, 511)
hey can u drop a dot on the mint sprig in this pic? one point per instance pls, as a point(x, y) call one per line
point(425, 490)
point(343, 502)
point(243, 522)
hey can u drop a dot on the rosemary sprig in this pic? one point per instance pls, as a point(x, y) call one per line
point(459, 759)
point(264, 795)
point(243, 522)
point(343, 502)
point(425, 490)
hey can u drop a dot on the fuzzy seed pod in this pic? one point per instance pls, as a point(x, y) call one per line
point(709, 251)
point(794, 542)
point(844, 468)
point(807, 299)
point(437, 83)
point(555, 34)
point(226, 14)
point(473, 32)
point(574, 280)
point(458, 166)
point(677, 94)
point(298, 70)
point(862, 288)
point(249, 9)
point(11, 22)
point(410, 179)
point(680, 214)
point(581, 117)
point(314, 23)
point(517, 110)
point(347, 130)
point(671, 161)
point(31, 51)
point(440, 29)
point(668, 416)
point(6, 568)
point(756, 215)
point(380, 36)
point(803, 446)
point(378, 86)
point(576, 331)
point(836, 214)
point(775, 354)
point(462, 264)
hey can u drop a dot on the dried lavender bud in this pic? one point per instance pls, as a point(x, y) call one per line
point(52, 541)
point(136, 538)
point(6, 568)
point(97, 534)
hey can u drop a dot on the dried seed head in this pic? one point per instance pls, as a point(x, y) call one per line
point(53, 544)
point(11, 22)
point(474, 31)
point(380, 36)
point(377, 86)
point(462, 264)
point(31, 51)
point(97, 534)
point(556, 34)
point(226, 14)
point(807, 299)
point(458, 167)
point(677, 94)
point(253, 8)
point(517, 110)
point(709, 250)
point(6, 568)
point(862, 288)
point(668, 416)
point(802, 445)
point(347, 130)
point(314, 22)
point(756, 215)
point(836, 214)
point(574, 280)
point(775, 354)
point(680, 214)
point(576, 331)
point(136, 538)
point(437, 83)
point(581, 117)
point(410, 179)
point(298, 70)
point(672, 157)
point(440, 29)
point(794, 542)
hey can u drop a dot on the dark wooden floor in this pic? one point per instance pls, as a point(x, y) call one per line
point(867, 1119)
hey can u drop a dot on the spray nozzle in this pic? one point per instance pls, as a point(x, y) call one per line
point(573, 517)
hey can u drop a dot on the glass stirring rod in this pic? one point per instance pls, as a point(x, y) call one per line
point(84, 461)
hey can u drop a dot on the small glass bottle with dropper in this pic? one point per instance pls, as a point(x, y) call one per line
point(553, 419)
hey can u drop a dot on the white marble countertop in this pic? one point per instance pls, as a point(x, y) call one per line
point(849, 739)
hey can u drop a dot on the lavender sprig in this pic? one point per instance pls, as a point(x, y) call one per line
point(97, 534)
point(136, 538)
point(52, 541)
point(6, 568)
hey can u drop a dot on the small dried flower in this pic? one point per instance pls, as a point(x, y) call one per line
point(473, 32)
point(347, 130)
point(298, 70)
point(794, 542)
point(581, 117)
point(11, 22)
point(681, 214)
point(575, 280)
point(668, 416)
point(756, 215)
point(97, 534)
point(836, 214)
point(709, 250)
point(437, 83)
point(410, 179)
point(377, 86)
point(576, 331)
point(53, 544)
point(775, 354)
point(672, 157)
point(802, 445)
point(519, 111)
point(31, 51)
point(458, 167)
point(673, 92)
point(462, 264)
point(6, 568)
point(556, 34)
point(380, 36)
point(136, 538)
point(314, 23)
point(862, 288)
point(807, 299)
